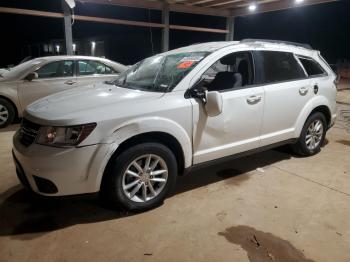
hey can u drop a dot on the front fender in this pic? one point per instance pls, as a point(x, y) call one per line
point(306, 111)
point(153, 124)
point(10, 93)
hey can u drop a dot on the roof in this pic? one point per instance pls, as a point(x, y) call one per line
point(203, 47)
point(254, 43)
point(63, 57)
point(114, 64)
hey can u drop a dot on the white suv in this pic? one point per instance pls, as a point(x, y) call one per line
point(168, 113)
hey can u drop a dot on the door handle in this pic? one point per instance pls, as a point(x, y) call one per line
point(70, 82)
point(254, 99)
point(303, 90)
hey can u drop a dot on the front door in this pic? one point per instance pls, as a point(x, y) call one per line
point(237, 128)
point(52, 78)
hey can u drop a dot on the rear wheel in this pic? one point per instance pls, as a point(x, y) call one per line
point(141, 177)
point(7, 113)
point(312, 136)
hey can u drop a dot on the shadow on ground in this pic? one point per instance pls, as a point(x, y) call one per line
point(10, 128)
point(24, 215)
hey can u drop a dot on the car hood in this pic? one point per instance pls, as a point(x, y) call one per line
point(91, 103)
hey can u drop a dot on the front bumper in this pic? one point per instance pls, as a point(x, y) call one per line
point(333, 120)
point(60, 171)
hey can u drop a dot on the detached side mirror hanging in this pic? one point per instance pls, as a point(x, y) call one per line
point(31, 76)
point(214, 103)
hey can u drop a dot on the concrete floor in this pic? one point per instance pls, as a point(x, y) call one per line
point(271, 206)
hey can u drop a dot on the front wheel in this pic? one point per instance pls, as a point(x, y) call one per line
point(141, 177)
point(7, 113)
point(312, 136)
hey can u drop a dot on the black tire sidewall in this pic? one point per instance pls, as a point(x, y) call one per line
point(302, 143)
point(122, 161)
point(11, 111)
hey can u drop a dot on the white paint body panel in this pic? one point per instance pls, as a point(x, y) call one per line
point(122, 113)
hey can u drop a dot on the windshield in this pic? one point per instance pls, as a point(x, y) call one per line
point(159, 73)
point(22, 68)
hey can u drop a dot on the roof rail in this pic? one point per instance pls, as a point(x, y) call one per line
point(307, 46)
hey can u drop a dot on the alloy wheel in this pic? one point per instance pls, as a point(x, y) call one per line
point(145, 178)
point(314, 134)
point(4, 114)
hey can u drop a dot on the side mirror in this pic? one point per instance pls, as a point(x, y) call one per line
point(31, 76)
point(214, 103)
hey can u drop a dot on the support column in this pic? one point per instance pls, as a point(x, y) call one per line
point(230, 26)
point(67, 21)
point(165, 30)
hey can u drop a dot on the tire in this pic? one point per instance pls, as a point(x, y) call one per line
point(117, 180)
point(306, 149)
point(7, 113)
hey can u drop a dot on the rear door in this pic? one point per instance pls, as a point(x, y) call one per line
point(93, 71)
point(53, 77)
point(287, 90)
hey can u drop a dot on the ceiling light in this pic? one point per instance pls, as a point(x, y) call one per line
point(299, 1)
point(252, 7)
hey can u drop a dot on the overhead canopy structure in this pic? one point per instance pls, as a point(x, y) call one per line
point(224, 8)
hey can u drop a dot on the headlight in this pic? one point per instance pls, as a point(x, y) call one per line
point(64, 136)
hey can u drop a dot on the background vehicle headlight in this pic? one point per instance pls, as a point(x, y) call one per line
point(64, 136)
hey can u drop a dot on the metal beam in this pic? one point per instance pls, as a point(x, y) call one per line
point(67, 22)
point(275, 6)
point(157, 5)
point(108, 20)
point(198, 29)
point(165, 30)
point(18, 11)
point(230, 27)
point(219, 3)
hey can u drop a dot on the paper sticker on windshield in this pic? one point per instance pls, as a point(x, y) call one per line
point(185, 64)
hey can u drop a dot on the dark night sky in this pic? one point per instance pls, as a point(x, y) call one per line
point(326, 27)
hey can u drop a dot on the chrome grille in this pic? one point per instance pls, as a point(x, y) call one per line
point(28, 132)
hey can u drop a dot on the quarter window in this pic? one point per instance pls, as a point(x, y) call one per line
point(311, 67)
point(56, 69)
point(87, 67)
point(278, 67)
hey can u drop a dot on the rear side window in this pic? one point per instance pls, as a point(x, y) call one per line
point(311, 67)
point(276, 67)
point(89, 67)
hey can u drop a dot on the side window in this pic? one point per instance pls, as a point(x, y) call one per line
point(311, 67)
point(56, 69)
point(233, 71)
point(276, 67)
point(89, 67)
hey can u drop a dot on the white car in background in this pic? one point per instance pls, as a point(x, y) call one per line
point(34, 79)
point(172, 112)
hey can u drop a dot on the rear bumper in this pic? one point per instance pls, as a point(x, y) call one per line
point(55, 171)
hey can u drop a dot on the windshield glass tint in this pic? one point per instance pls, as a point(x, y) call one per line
point(160, 73)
